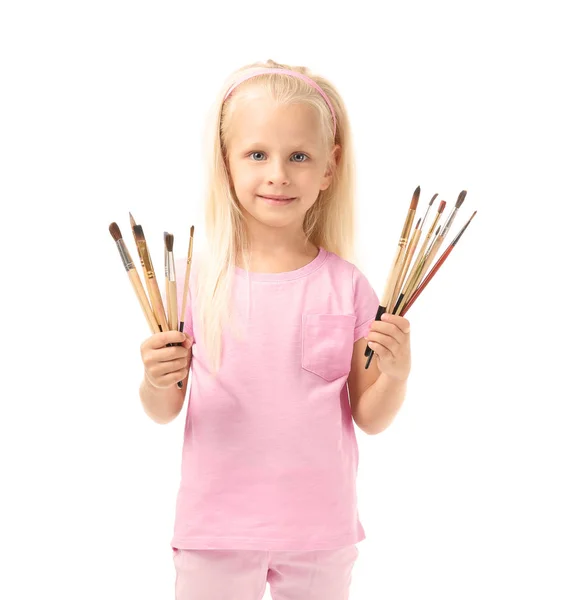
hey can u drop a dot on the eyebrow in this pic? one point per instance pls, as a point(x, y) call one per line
point(298, 144)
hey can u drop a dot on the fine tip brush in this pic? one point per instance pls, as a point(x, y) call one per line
point(134, 277)
point(186, 286)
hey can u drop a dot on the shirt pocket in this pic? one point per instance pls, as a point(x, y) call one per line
point(327, 344)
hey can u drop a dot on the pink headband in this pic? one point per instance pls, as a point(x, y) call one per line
point(301, 76)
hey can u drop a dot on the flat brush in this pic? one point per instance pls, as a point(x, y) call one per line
point(396, 265)
point(436, 267)
point(171, 286)
point(150, 278)
point(134, 278)
point(186, 286)
point(418, 263)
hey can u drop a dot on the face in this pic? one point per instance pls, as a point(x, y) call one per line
point(277, 151)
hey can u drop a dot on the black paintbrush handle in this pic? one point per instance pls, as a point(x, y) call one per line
point(181, 330)
point(368, 351)
point(371, 353)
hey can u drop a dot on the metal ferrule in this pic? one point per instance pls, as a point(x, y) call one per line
point(126, 258)
point(425, 217)
point(460, 233)
point(447, 225)
point(146, 261)
point(407, 226)
point(171, 275)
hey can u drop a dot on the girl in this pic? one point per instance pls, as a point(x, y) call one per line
point(277, 326)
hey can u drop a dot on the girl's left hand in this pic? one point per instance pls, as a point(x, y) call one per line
point(390, 340)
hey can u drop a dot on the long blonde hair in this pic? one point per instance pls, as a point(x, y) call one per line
point(329, 223)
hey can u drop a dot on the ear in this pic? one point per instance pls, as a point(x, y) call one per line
point(333, 161)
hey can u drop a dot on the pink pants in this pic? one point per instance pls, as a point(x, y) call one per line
point(243, 574)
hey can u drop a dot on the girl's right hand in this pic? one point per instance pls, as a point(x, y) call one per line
point(165, 366)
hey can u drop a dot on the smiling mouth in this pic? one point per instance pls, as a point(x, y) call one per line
point(282, 200)
point(278, 198)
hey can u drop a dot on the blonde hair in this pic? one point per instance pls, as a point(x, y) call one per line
point(329, 223)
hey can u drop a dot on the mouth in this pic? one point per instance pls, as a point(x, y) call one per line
point(277, 200)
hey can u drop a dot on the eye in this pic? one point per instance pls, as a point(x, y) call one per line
point(298, 156)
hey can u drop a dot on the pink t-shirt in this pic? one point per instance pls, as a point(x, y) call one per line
point(270, 457)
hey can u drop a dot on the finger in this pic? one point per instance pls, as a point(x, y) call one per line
point(161, 370)
point(166, 355)
point(176, 376)
point(380, 350)
point(388, 329)
point(386, 341)
point(165, 381)
point(162, 339)
point(400, 322)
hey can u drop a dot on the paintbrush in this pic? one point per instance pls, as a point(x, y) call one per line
point(403, 243)
point(171, 286)
point(409, 255)
point(134, 278)
point(431, 253)
point(436, 267)
point(418, 263)
point(150, 276)
point(396, 265)
point(186, 286)
point(419, 271)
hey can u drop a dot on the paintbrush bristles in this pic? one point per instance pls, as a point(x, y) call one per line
point(132, 222)
point(415, 199)
point(115, 231)
point(169, 240)
point(442, 206)
point(138, 233)
point(433, 199)
point(460, 199)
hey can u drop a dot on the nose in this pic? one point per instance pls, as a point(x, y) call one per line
point(277, 172)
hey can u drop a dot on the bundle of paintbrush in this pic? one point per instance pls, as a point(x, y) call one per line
point(403, 287)
point(153, 308)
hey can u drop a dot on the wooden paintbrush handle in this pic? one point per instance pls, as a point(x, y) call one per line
point(390, 278)
point(426, 281)
point(143, 299)
point(410, 285)
point(156, 301)
point(399, 265)
point(173, 306)
point(409, 256)
point(429, 260)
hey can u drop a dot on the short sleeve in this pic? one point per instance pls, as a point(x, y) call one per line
point(366, 304)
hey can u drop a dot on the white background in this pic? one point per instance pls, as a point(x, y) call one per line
point(469, 494)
